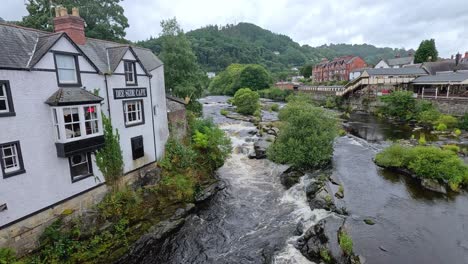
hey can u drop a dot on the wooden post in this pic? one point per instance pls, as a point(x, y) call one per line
point(422, 94)
point(448, 91)
point(437, 90)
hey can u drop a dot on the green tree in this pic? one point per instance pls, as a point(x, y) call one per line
point(306, 71)
point(109, 159)
point(306, 137)
point(247, 101)
point(225, 81)
point(254, 77)
point(104, 19)
point(427, 51)
point(400, 104)
point(182, 73)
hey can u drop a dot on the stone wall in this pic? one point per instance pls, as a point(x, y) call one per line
point(23, 236)
point(451, 106)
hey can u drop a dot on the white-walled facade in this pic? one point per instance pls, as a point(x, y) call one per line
point(54, 141)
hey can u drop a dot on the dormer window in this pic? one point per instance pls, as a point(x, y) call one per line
point(67, 69)
point(130, 73)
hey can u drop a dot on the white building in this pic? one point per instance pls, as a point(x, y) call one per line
point(53, 89)
point(395, 63)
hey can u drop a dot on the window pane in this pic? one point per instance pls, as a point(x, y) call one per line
point(66, 75)
point(79, 165)
point(2, 90)
point(3, 105)
point(65, 61)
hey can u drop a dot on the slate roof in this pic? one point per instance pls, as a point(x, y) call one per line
point(453, 77)
point(71, 96)
point(396, 71)
point(443, 66)
point(21, 48)
point(400, 61)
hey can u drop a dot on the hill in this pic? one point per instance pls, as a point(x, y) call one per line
point(218, 47)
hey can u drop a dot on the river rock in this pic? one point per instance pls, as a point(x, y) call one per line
point(260, 148)
point(312, 188)
point(208, 192)
point(149, 177)
point(433, 185)
point(290, 177)
point(323, 237)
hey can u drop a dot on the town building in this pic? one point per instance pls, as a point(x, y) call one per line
point(338, 69)
point(55, 88)
point(396, 62)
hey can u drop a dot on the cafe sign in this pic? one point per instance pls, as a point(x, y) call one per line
point(124, 93)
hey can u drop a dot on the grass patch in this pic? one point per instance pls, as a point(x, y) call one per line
point(346, 242)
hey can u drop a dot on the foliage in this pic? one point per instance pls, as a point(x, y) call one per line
point(109, 159)
point(116, 205)
point(274, 107)
point(178, 157)
point(195, 107)
point(464, 122)
point(428, 116)
point(399, 104)
point(104, 19)
point(274, 93)
point(306, 138)
point(237, 76)
point(8, 256)
point(422, 139)
point(181, 187)
point(441, 127)
point(306, 71)
point(426, 162)
point(325, 255)
point(330, 102)
point(211, 143)
point(427, 51)
point(246, 101)
point(457, 132)
point(255, 77)
point(346, 242)
point(182, 74)
point(224, 112)
point(448, 120)
point(453, 148)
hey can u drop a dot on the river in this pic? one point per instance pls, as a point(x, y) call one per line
point(253, 219)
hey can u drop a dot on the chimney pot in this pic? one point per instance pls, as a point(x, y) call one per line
point(57, 11)
point(63, 11)
point(75, 12)
point(451, 57)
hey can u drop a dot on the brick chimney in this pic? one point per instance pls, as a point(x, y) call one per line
point(72, 24)
point(457, 59)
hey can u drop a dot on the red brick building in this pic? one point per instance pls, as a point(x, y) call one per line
point(338, 69)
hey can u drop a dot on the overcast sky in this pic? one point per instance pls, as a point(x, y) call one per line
point(392, 23)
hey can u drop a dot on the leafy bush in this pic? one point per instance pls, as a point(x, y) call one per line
point(422, 139)
point(178, 157)
point(346, 242)
point(236, 76)
point(330, 102)
point(457, 132)
point(428, 116)
point(464, 122)
point(399, 104)
point(276, 94)
point(180, 187)
point(116, 205)
point(195, 107)
point(224, 112)
point(394, 156)
point(211, 144)
point(448, 120)
point(306, 138)
point(426, 162)
point(8, 256)
point(274, 107)
point(441, 127)
point(453, 148)
point(247, 101)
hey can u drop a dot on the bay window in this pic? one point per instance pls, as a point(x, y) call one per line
point(77, 122)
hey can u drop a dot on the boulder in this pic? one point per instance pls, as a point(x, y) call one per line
point(290, 177)
point(260, 148)
point(433, 185)
point(150, 177)
point(322, 239)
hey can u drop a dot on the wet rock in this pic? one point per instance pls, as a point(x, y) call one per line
point(383, 249)
point(299, 228)
point(149, 177)
point(208, 192)
point(339, 194)
point(369, 221)
point(433, 185)
point(290, 177)
point(322, 239)
point(260, 148)
point(182, 212)
point(312, 188)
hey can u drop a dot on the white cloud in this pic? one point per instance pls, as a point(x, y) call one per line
point(395, 23)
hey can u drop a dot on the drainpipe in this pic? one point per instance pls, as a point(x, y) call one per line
point(108, 100)
point(152, 118)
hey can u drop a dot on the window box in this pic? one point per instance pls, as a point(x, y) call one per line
point(6, 101)
point(130, 73)
point(11, 159)
point(67, 69)
point(133, 113)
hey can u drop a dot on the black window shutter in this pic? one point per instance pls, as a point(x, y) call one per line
point(138, 150)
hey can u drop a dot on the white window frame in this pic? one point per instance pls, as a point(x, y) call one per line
point(16, 155)
point(139, 112)
point(131, 71)
point(59, 123)
point(75, 69)
point(89, 165)
point(5, 98)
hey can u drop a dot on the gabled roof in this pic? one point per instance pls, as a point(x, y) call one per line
point(72, 96)
point(396, 71)
point(22, 48)
point(443, 66)
point(443, 78)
